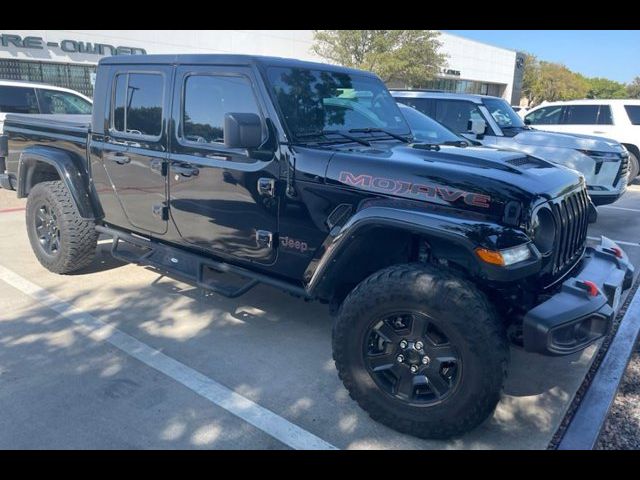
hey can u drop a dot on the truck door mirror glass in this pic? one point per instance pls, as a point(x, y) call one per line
point(242, 130)
point(527, 121)
point(477, 127)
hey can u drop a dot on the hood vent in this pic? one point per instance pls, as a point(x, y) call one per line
point(526, 162)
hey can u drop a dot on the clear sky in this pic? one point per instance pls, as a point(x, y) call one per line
point(613, 54)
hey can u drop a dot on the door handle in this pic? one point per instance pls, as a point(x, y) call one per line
point(185, 170)
point(598, 131)
point(118, 158)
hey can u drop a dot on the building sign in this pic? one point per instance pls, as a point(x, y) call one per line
point(448, 71)
point(67, 46)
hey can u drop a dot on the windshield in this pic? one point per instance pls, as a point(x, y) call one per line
point(313, 101)
point(502, 113)
point(425, 129)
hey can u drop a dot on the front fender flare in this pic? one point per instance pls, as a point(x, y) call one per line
point(460, 235)
point(71, 173)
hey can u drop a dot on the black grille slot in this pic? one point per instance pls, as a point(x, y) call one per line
point(526, 162)
point(622, 171)
point(571, 214)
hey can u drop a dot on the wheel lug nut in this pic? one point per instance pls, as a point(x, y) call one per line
point(400, 358)
point(419, 345)
point(425, 360)
point(414, 369)
point(403, 344)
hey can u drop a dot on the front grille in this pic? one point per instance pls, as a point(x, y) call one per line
point(571, 214)
point(623, 170)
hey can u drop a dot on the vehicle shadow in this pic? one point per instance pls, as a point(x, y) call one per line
point(103, 262)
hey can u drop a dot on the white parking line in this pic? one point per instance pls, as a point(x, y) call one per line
point(620, 208)
point(621, 242)
point(258, 416)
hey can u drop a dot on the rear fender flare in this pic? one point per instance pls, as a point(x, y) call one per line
point(70, 171)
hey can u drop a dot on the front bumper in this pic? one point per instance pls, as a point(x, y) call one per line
point(582, 311)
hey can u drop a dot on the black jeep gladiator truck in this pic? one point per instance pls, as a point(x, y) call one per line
point(433, 256)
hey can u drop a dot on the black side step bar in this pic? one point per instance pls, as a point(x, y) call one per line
point(190, 266)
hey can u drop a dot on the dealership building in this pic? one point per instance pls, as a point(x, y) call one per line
point(68, 58)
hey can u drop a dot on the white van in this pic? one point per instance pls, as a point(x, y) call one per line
point(615, 119)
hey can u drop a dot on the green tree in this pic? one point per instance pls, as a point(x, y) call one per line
point(554, 81)
point(633, 89)
point(531, 68)
point(605, 88)
point(410, 57)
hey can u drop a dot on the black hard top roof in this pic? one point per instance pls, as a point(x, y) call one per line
point(223, 59)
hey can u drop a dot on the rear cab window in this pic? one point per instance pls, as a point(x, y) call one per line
point(633, 111)
point(137, 104)
point(18, 100)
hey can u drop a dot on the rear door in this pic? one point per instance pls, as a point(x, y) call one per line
point(221, 199)
point(136, 147)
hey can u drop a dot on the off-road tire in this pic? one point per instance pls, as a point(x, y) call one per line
point(634, 168)
point(78, 236)
point(472, 322)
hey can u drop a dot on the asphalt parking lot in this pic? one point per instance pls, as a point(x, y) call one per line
point(119, 356)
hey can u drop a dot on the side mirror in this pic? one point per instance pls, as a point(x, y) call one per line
point(477, 127)
point(242, 130)
point(527, 121)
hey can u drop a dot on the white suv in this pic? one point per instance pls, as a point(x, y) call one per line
point(492, 122)
point(615, 119)
point(23, 97)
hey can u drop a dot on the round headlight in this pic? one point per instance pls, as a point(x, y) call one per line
point(544, 231)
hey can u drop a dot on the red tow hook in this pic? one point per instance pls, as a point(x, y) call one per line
point(617, 251)
point(591, 287)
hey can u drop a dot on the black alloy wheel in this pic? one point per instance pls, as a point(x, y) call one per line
point(411, 359)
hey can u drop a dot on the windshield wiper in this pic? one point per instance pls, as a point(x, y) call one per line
point(436, 146)
point(334, 132)
point(382, 130)
point(456, 143)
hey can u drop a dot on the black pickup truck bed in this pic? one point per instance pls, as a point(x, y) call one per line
point(67, 131)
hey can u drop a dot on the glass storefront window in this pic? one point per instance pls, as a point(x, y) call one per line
point(465, 86)
point(75, 77)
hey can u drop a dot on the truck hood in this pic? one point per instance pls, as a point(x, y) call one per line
point(541, 138)
point(479, 179)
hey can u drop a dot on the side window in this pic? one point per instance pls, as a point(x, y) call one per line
point(207, 98)
point(53, 101)
point(456, 114)
point(424, 105)
point(580, 115)
point(604, 116)
point(137, 104)
point(545, 116)
point(18, 100)
point(634, 113)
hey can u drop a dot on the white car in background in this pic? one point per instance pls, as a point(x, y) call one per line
point(521, 111)
point(492, 122)
point(37, 98)
point(615, 119)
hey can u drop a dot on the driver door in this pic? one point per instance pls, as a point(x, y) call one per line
point(221, 199)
